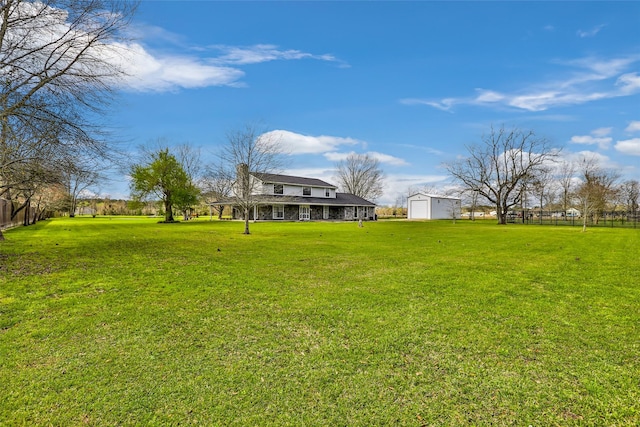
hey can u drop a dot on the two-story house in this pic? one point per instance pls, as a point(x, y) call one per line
point(294, 198)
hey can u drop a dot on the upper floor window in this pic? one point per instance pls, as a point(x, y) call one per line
point(327, 193)
point(306, 191)
point(278, 189)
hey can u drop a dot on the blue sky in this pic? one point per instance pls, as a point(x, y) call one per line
point(408, 82)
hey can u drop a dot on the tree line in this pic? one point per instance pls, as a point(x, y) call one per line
point(59, 65)
point(512, 168)
point(57, 72)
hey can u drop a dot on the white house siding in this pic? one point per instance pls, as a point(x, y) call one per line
point(292, 190)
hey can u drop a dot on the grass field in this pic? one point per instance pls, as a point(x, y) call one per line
point(129, 322)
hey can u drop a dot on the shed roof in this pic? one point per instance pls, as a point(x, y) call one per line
point(434, 196)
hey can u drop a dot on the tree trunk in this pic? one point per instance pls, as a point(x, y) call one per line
point(27, 213)
point(502, 214)
point(168, 211)
point(246, 221)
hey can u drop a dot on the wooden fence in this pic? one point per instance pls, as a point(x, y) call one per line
point(27, 215)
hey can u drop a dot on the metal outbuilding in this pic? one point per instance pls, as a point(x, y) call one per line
point(429, 206)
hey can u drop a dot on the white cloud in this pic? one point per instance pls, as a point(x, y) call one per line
point(531, 102)
point(150, 71)
point(634, 126)
point(598, 137)
point(295, 143)
point(629, 83)
point(386, 158)
point(444, 105)
point(589, 79)
point(590, 33)
point(489, 96)
point(599, 159)
point(629, 146)
point(601, 131)
point(336, 157)
point(262, 53)
point(381, 157)
point(603, 143)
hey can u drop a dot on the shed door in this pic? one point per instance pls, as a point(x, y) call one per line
point(419, 209)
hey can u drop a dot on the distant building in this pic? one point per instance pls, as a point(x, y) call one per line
point(294, 198)
point(428, 206)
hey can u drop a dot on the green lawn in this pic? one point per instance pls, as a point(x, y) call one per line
point(129, 322)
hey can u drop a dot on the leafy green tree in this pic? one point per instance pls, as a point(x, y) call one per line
point(165, 177)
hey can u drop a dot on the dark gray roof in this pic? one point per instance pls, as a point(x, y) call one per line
point(288, 179)
point(352, 199)
point(341, 199)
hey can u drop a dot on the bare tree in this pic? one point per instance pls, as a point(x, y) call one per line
point(596, 190)
point(59, 60)
point(469, 198)
point(189, 158)
point(453, 202)
point(498, 168)
point(77, 177)
point(249, 151)
point(216, 187)
point(360, 174)
point(630, 191)
point(540, 186)
point(566, 173)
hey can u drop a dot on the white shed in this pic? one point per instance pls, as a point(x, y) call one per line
point(428, 206)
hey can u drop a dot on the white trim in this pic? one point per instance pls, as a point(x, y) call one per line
point(277, 210)
point(304, 213)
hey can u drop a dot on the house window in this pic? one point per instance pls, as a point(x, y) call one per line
point(278, 211)
point(306, 191)
point(327, 193)
point(278, 189)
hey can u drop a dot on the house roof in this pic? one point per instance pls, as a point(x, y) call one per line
point(341, 199)
point(351, 199)
point(288, 179)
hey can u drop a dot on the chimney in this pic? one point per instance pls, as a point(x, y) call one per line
point(242, 178)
